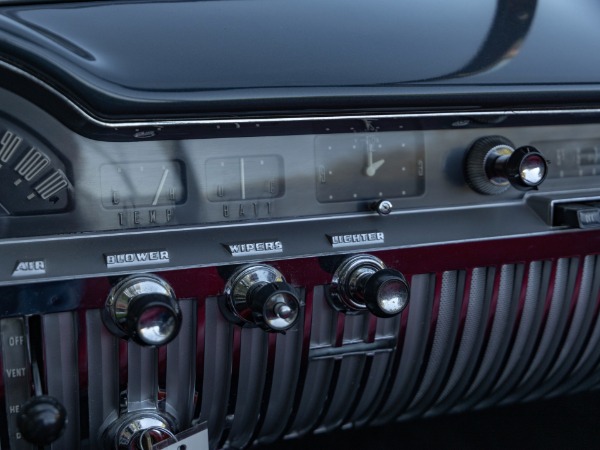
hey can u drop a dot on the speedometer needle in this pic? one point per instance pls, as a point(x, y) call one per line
point(160, 186)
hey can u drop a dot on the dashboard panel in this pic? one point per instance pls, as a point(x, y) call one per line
point(327, 177)
point(271, 233)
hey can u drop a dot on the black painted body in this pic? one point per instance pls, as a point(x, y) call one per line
point(214, 58)
point(504, 303)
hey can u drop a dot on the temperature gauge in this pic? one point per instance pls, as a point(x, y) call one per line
point(143, 184)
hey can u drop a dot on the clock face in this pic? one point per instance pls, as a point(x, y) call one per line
point(369, 166)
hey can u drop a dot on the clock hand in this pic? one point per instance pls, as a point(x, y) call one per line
point(373, 167)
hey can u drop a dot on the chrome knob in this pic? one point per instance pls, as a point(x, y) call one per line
point(492, 165)
point(139, 431)
point(363, 282)
point(257, 295)
point(143, 308)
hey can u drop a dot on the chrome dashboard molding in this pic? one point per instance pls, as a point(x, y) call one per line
point(331, 118)
point(63, 251)
point(126, 124)
point(504, 297)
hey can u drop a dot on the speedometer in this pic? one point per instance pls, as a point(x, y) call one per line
point(33, 178)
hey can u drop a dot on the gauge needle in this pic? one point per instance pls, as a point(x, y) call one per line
point(160, 186)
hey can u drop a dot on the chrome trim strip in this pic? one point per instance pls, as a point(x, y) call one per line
point(290, 119)
point(185, 228)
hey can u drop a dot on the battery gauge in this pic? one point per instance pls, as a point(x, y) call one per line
point(244, 178)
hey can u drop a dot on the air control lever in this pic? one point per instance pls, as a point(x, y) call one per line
point(42, 420)
point(257, 295)
point(363, 282)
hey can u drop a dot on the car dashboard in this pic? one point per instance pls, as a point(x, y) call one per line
point(228, 223)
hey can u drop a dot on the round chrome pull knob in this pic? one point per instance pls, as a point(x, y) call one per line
point(143, 308)
point(275, 307)
point(526, 168)
point(363, 282)
point(492, 165)
point(386, 293)
point(139, 430)
point(257, 295)
point(532, 169)
point(42, 420)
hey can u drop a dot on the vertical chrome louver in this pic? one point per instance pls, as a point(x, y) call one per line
point(449, 297)
point(577, 331)
point(216, 378)
point(507, 292)
point(181, 367)
point(103, 376)
point(62, 372)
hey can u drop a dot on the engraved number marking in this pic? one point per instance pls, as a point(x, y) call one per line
point(32, 164)
point(8, 145)
point(51, 185)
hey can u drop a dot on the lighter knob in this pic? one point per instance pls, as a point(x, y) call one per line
point(363, 282)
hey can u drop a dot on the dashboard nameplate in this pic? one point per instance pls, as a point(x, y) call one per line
point(28, 268)
point(352, 239)
point(254, 248)
point(132, 259)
